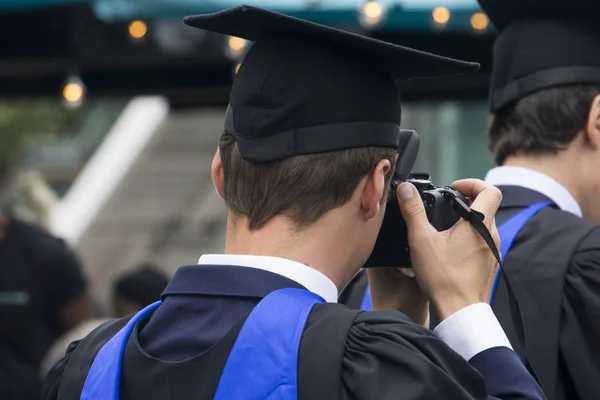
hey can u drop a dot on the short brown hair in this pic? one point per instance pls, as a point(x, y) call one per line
point(303, 188)
point(544, 122)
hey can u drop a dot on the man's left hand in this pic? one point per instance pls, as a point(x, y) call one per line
point(397, 289)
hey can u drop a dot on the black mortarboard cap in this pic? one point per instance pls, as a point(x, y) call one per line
point(306, 88)
point(542, 45)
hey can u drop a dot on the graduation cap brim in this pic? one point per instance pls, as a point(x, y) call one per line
point(252, 23)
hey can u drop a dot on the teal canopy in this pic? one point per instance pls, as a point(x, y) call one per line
point(22, 5)
point(400, 14)
point(320, 10)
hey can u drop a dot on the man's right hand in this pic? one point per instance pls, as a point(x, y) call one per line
point(454, 268)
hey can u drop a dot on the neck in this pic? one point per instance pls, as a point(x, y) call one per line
point(561, 167)
point(320, 246)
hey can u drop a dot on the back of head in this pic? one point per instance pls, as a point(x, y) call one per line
point(304, 186)
point(312, 111)
point(546, 74)
point(541, 123)
point(141, 287)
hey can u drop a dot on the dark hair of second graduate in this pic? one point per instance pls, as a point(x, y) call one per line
point(544, 122)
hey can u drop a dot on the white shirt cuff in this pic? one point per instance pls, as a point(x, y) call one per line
point(472, 330)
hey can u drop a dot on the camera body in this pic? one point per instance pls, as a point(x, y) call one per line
point(391, 248)
point(440, 210)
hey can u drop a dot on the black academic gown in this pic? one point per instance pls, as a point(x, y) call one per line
point(180, 351)
point(554, 267)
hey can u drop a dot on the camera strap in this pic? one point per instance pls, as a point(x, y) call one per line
point(475, 218)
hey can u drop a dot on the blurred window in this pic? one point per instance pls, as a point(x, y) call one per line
point(453, 138)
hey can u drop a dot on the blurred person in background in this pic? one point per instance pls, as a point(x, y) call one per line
point(135, 290)
point(132, 292)
point(43, 294)
point(545, 138)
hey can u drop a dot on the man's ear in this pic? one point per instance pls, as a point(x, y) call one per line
point(592, 128)
point(374, 190)
point(218, 175)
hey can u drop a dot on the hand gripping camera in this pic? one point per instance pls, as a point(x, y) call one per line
point(443, 207)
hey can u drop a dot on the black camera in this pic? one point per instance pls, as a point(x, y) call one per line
point(441, 204)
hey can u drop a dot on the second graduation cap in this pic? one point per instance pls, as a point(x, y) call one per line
point(542, 45)
point(306, 88)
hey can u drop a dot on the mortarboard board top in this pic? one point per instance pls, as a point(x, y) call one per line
point(306, 88)
point(256, 24)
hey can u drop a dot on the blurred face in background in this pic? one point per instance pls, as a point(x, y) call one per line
point(137, 289)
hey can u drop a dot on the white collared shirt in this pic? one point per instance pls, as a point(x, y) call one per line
point(469, 331)
point(306, 276)
point(534, 180)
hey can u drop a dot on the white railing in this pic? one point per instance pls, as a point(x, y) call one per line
point(123, 144)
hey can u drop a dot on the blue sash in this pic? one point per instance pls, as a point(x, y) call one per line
point(264, 361)
point(103, 380)
point(508, 232)
point(262, 364)
point(366, 304)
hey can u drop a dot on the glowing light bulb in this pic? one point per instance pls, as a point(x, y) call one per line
point(137, 29)
point(372, 13)
point(235, 47)
point(441, 15)
point(236, 43)
point(373, 10)
point(73, 92)
point(479, 21)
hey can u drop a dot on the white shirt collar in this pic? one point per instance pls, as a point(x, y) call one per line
point(534, 180)
point(308, 277)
